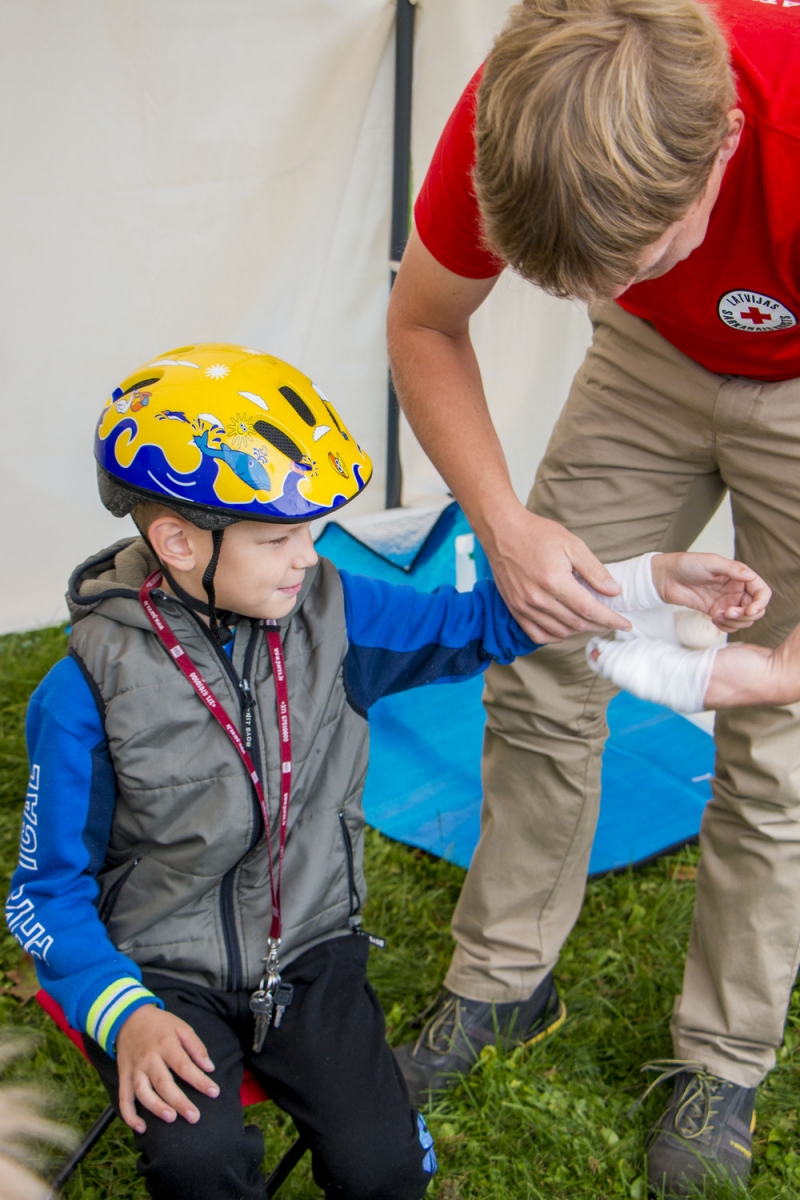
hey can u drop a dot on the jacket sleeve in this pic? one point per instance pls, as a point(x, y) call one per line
point(52, 907)
point(400, 638)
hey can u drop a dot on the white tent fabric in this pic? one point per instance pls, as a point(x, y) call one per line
point(183, 171)
point(179, 172)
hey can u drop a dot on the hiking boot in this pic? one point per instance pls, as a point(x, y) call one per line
point(457, 1030)
point(705, 1132)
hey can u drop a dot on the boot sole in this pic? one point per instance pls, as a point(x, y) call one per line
point(550, 1029)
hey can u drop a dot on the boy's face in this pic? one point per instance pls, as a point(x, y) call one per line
point(261, 567)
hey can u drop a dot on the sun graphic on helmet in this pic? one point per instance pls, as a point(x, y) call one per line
point(240, 430)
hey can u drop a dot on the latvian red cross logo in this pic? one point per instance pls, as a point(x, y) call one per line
point(753, 312)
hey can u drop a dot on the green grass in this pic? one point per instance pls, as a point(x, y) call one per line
point(540, 1124)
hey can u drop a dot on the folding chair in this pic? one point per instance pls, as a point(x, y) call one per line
point(251, 1092)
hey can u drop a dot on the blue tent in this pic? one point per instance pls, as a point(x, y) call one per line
point(424, 785)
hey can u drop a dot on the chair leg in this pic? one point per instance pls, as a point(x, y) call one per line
point(285, 1167)
point(93, 1136)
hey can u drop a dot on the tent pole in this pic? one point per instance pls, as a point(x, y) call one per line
point(401, 204)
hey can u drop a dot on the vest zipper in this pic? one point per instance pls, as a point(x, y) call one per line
point(249, 727)
point(247, 706)
point(233, 950)
point(230, 935)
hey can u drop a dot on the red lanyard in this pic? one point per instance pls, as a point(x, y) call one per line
point(219, 714)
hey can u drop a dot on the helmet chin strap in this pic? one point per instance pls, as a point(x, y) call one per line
point(208, 581)
point(198, 606)
point(205, 610)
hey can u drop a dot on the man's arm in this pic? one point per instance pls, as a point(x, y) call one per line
point(439, 386)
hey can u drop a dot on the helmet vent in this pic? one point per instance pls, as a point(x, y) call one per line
point(299, 405)
point(277, 438)
point(333, 418)
point(134, 387)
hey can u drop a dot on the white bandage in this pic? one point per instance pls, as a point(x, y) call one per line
point(635, 577)
point(655, 670)
point(696, 630)
point(651, 661)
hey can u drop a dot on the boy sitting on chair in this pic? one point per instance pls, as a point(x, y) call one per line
point(190, 878)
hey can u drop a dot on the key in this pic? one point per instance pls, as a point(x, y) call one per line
point(261, 1005)
point(284, 994)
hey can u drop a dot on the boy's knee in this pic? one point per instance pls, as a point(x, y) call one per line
point(398, 1169)
point(188, 1162)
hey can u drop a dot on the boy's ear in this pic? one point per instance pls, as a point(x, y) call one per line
point(172, 542)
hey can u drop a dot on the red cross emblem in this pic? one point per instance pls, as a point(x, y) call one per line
point(755, 315)
point(752, 312)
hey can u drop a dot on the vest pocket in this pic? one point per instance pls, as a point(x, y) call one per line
point(111, 897)
point(355, 899)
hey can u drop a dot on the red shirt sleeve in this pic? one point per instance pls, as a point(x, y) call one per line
point(446, 212)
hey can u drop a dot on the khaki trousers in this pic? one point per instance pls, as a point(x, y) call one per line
point(639, 460)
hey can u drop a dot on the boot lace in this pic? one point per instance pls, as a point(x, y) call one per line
point(438, 1034)
point(693, 1115)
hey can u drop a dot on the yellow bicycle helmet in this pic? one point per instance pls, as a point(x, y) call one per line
point(223, 433)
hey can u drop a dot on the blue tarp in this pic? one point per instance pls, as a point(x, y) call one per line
point(424, 785)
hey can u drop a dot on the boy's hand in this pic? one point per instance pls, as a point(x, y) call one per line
point(151, 1045)
point(732, 595)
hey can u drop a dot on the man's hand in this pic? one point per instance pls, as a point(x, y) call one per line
point(729, 592)
point(439, 386)
point(534, 561)
point(151, 1045)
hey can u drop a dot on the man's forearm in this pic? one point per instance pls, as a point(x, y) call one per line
point(439, 386)
point(456, 432)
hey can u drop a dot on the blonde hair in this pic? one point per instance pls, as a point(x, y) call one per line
point(598, 124)
point(146, 511)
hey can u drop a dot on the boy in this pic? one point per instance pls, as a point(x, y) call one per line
point(159, 829)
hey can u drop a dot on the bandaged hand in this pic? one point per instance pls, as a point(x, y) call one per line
point(729, 592)
point(661, 669)
point(655, 669)
point(736, 676)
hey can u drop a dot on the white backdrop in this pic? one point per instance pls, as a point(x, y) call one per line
point(178, 171)
point(188, 170)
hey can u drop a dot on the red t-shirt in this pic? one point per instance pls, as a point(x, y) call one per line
point(744, 280)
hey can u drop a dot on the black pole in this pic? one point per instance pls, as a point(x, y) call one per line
point(401, 214)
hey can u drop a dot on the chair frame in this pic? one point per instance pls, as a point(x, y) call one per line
point(251, 1092)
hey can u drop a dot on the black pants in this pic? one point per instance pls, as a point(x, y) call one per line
point(328, 1066)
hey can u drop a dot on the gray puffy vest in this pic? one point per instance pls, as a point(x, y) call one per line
point(185, 885)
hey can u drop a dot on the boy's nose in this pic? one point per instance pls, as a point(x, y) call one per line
point(306, 555)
